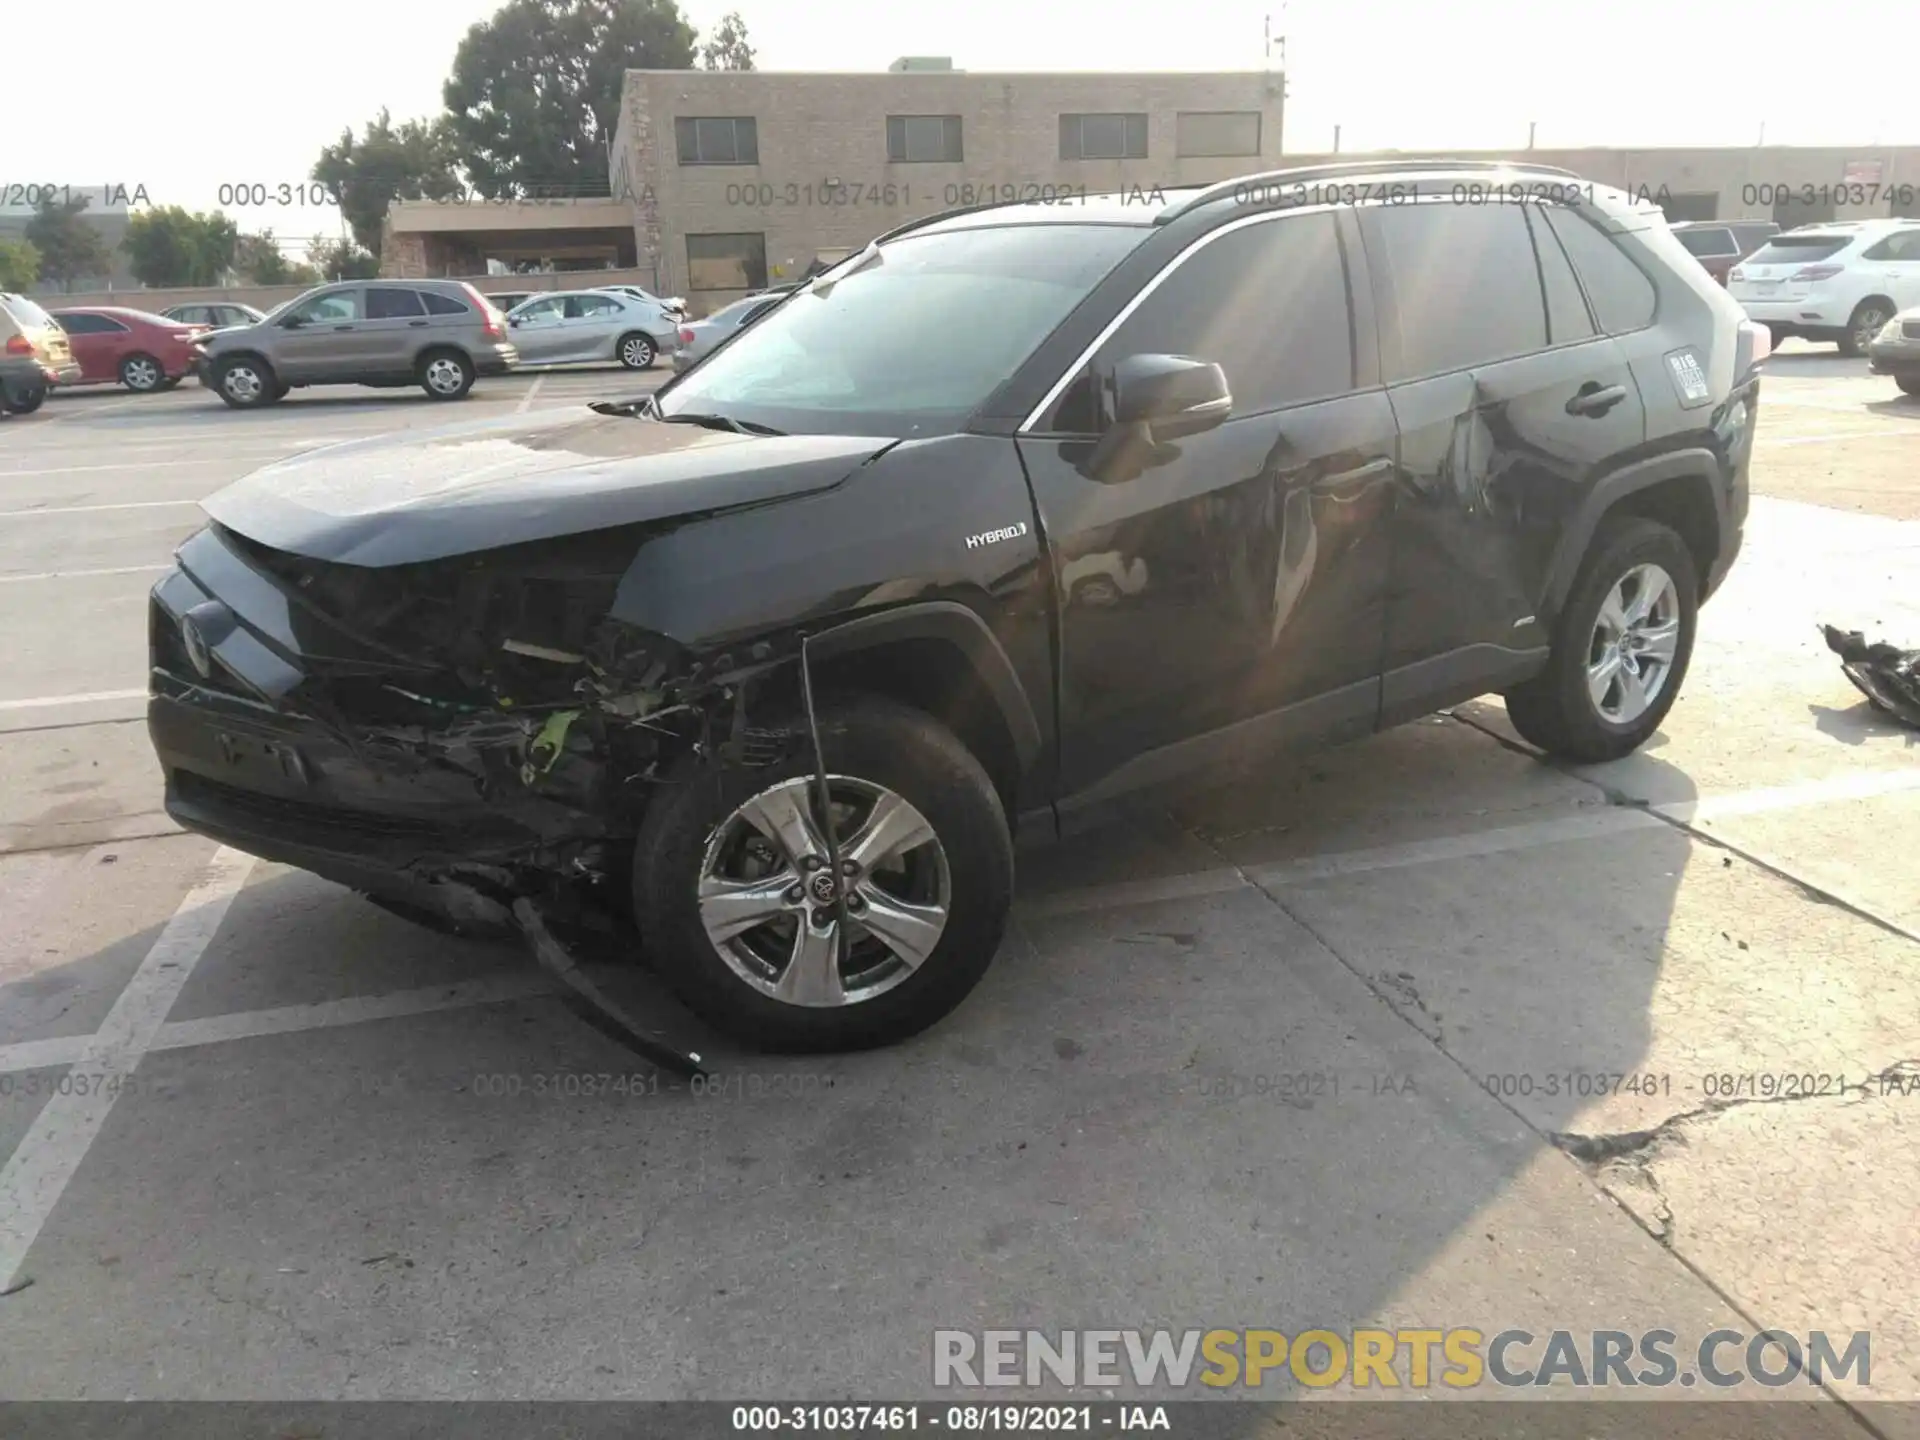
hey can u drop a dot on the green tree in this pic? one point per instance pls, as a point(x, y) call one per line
point(535, 92)
point(19, 265)
point(727, 47)
point(261, 260)
point(342, 260)
point(70, 249)
point(167, 246)
point(411, 161)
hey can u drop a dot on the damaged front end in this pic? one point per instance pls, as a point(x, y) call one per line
point(447, 736)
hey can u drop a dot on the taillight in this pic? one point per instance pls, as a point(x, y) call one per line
point(686, 335)
point(492, 322)
point(19, 345)
point(1817, 272)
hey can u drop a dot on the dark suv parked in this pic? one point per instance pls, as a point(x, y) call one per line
point(1017, 509)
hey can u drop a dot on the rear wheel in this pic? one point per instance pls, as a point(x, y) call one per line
point(446, 374)
point(1908, 383)
point(246, 383)
point(1865, 322)
point(636, 351)
point(142, 374)
point(737, 900)
point(1620, 649)
point(22, 399)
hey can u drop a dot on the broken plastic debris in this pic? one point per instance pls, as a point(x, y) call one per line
point(1887, 675)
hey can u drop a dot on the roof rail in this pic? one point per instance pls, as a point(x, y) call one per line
point(1351, 167)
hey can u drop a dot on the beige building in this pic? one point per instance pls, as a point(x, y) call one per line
point(739, 179)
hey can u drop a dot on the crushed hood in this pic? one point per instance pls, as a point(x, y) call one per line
point(400, 499)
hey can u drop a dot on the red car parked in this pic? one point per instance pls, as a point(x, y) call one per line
point(142, 352)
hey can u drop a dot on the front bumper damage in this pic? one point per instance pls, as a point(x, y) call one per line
point(429, 735)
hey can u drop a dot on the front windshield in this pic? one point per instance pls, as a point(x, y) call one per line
point(909, 340)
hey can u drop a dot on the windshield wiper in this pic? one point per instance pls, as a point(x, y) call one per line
point(720, 422)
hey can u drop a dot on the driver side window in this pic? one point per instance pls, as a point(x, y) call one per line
point(540, 312)
point(1267, 303)
point(332, 308)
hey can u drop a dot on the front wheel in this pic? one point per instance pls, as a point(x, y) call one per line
point(246, 383)
point(1620, 649)
point(636, 351)
point(737, 900)
point(446, 375)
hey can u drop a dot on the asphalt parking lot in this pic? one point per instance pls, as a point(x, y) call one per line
point(1285, 1049)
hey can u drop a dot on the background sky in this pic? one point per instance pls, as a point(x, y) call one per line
point(184, 96)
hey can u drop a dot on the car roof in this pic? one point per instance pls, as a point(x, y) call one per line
point(112, 312)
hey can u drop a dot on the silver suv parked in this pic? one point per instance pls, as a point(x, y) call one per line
point(437, 334)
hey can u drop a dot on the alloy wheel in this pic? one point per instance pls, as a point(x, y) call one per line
point(1867, 325)
point(243, 383)
point(768, 896)
point(637, 352)
point(1635, 637)
point(445, 376)
point(141, 374)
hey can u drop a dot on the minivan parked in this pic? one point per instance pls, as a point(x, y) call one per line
point(1020, 509)
point(437, 334)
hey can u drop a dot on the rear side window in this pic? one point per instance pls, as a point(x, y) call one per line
point(1567, 317)
point(438, 304)
point(1465, 283)
point(1621, 295)
point(1901, 245)
point(1799, 249)
point(90, 325)
point(393, 305)
point(1707, 242)
point(1267, 303)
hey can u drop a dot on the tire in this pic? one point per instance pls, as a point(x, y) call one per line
point(1557, 710)
point(1908, 383)
point(636, 351)
point(170, 382)
point(22, 400)
point(1778, 336)
point(1865, 322)
point(142, 374)
point(694, 829)
point(445, 375)
point(246, 382)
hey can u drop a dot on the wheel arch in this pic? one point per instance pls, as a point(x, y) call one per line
point(940, 657)
point(1676, 489)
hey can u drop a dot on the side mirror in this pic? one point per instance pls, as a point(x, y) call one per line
point(1170, 396)
point(513, 320)
point(293, 322)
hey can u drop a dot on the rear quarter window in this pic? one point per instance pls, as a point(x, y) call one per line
point(1622, 297)
point(438, 304)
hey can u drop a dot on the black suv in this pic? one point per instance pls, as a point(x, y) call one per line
point(1019, 508)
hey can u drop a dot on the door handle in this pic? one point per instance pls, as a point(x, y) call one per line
point(416, 324)
point(1593, 398)
point(343, 327)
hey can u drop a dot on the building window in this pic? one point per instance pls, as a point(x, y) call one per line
point(1103, 137)
point(726, 262)
point(912, 139)
point(1217, 132)
point(717, 140)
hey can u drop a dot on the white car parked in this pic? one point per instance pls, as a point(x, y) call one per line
point(672, 304)
point(1841, 281)
point(572, 325)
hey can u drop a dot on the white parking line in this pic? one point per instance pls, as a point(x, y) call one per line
point(94, 469)
point(526, 400)
point(83, 574)
point(48, 702)
point(37, 1172)
point(90, 509)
